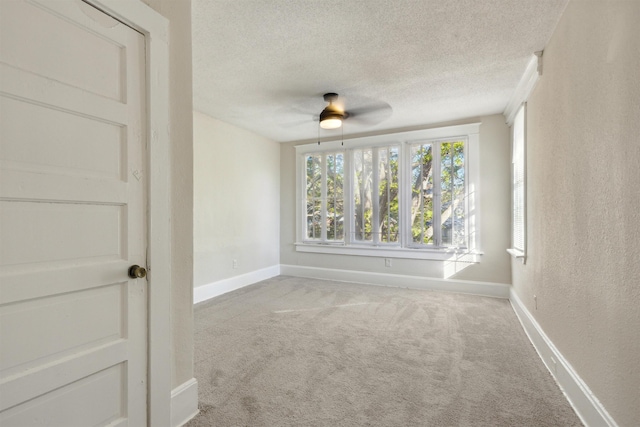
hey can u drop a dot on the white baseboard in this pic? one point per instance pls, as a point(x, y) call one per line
point(583, 401)
point(497, 290)
point(184, 402)
point(212, 290)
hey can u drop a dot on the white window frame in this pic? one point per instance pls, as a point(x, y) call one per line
point(519, 180)
point(517, 104)
point(375, 214)
point(323, 198)
point(406, 189)
point(471, 253)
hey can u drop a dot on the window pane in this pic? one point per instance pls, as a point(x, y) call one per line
point(363, 174)
point(339, 176)
point(518, 214)
point(335, 178)
point(324, 196)
point(452, 208)
point(460, 204)
point(388, 194)
point(422, 194)
point(338, 207)
point(331, 191)
point(314, 218)
point(314, 176)
point(518, 181)
point(314, 194)
point(339, 220)
point(446, 193)
point(331, 219)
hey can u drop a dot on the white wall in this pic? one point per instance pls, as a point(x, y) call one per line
point(583, 159)
point(494, 200)
point(236, 201)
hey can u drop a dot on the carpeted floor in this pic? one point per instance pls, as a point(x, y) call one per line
point(302, 352)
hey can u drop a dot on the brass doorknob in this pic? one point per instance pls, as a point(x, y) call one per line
point(137, 272)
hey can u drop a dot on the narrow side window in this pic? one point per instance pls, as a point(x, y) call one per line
point(518, 181)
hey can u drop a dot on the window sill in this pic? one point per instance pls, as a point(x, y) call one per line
point(392, 252)
point(517, 254)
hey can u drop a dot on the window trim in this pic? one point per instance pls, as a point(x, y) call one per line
point(323, 239)
point(406, 192)
point(530, 78)
point(375, 242)
point(519, 253)
point(471, 253)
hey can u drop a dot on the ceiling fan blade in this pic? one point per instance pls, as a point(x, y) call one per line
point(295, 123)
point(370, 114)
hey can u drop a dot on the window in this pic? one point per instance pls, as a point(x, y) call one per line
point(518, 184)
point(404, 195)
point(438, 197)
point(516, 116)
point(325, 197)
point(375, 195)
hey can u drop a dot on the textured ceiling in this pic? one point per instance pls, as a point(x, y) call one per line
point(263, 65)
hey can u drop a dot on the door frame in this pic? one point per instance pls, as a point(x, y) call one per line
point(155, 28)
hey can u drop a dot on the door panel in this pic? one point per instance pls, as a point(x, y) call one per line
point(50, 409)
point(97, 58)
point(48, 150)
point(90, 232)
point(72, 217)
point(103, 305)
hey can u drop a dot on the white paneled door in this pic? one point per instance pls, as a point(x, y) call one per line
point(73, 209)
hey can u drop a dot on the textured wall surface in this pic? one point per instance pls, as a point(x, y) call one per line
point(236, 201)
point(178, 12)
point(494, 200)
point(583, 208)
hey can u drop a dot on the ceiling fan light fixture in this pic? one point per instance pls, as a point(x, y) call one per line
point(331, 117)
point(333, 122)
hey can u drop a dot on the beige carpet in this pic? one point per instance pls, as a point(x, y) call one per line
point(304, 352)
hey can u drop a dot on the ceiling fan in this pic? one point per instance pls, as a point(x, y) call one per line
point(362, 111)
point(369, 112)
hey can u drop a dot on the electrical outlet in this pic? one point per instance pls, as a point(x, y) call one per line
point(387, 262)
point(235, 263)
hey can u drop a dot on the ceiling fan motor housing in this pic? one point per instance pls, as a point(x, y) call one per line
point(331, 112)
point(330, 97)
